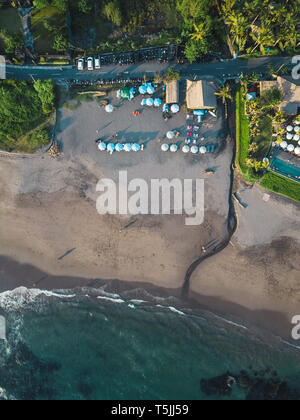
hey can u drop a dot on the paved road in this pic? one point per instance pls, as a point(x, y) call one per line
point(216, 69)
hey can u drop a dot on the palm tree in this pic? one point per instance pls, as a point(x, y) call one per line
point(200, 32)
point(263, 39)
point(227, 7)
point(225, 94)
point(238, 27)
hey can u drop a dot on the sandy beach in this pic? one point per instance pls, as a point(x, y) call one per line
point(48, 211)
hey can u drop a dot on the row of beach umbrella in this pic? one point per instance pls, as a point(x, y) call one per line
point(150, 102)
point(146, 88)
point(186, 149)
point(290, 128)
point(295, 137)
point(119, 147)
point(290, 147)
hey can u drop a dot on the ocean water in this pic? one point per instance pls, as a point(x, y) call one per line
point(78, 345)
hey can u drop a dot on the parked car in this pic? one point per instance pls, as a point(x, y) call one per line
point(90, 63)
point(97, 63)
point(80, 64)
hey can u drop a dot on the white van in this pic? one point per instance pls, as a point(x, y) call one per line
point(90, 63)
point(80, 64)
point(97, 63)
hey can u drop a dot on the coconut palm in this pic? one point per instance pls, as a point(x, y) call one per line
point(227, 7)
point(263, 38)
point(225, 94)
point(238, 27)
point(200, 32)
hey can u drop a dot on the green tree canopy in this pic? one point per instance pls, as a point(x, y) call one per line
point(21, 111)
point(113, 13)
point(45, 90)
point(60, 43)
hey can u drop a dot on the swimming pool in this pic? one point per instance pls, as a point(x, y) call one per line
point(284, 168)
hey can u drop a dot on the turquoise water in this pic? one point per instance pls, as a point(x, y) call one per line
point(285, 168)
point(85, 348)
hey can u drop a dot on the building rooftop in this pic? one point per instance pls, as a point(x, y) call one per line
point(290, 90)
point(172, 92)
point(201, 94)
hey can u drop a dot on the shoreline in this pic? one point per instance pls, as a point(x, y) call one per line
point(265, 324)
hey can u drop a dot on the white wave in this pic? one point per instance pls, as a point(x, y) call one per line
point(21, 297)
point(230, 322)
point(290, 344)
point(4, 395)
point(172, 309)
point(111, 299)
point(131, 306)
point(112, 295)
point(138, 301)
point(176, 310)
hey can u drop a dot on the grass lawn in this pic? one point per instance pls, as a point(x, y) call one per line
point(243, 139)
point(43, 38)
point(281, 185)
point(264, 139)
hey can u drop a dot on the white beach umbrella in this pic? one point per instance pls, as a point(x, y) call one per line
point(289, 128)
point(297, 129)
point(144, 102)
point(109, 108)
point(194, 150)
point(290, 148)
point(289, 136)
point(165, 147)
point(150, 102)
point(186, 149)
point(127, 147)
point(283, 145)
point(111, 147)
point(136, 147)
point(297, 151)
point(170, 135)
point(150, 90)
point(296, 137)
point(296, 122)
point(203, 150)
point(175, 108)
point(157, 102)
point(102, 146)
point(266, 160)
point(173, 148)
point(119, 147)
point(143, 89)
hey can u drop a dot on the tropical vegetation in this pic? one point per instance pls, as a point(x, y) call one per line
point(202, 27)
point(25, 110)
